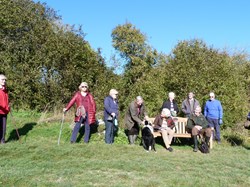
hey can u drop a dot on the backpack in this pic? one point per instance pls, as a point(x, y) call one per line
point(204, 147)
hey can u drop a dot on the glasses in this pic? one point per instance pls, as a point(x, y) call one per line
point(83, 86)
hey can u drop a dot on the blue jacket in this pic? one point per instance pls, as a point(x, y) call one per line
point(110, 106)
point(213, 109)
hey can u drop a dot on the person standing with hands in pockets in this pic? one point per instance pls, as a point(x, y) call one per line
point(213, 112)
point(111, 111)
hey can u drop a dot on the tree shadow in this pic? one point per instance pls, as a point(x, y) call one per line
point(21, 131)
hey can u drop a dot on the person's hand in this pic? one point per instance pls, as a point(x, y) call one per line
point(198, 127)
point(220, 121)
point(64, 110)
point(113, 114)
point(146, 118)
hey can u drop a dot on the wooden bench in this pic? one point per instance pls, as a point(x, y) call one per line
point(180, 130)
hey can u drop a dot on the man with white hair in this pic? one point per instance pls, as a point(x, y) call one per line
point(4, 107)
point(213, 112)
point(165, 124)
point(198, 124)
point(134, 117)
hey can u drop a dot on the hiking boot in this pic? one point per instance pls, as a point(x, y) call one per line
point(170, 149)
point(195, 149)
point(195, 143)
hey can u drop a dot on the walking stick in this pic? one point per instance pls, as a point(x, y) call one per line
point(14, 121)
point(58, 142)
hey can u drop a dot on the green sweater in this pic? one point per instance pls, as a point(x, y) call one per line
point(197, 120)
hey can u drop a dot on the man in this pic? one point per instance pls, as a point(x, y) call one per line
point(198, 124)
point(4, 107)
point(111, 111)
point(189, 104)
point(213, 112)
point(134, 117)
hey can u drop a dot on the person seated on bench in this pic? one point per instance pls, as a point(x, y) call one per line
point(198, 125)
point(165, 124)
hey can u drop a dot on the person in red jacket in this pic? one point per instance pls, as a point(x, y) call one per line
point(85, 113)
point(4, 107)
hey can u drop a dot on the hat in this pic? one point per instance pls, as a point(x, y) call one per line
point(113, 91)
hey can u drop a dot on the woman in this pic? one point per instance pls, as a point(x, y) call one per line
point(111, 115)
point(171, 104)
point(86, 109)
point(4, 107)
point(165, 124)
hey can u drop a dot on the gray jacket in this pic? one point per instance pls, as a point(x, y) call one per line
point(186, 107)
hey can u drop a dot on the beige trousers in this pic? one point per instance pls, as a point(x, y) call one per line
point(167, 135)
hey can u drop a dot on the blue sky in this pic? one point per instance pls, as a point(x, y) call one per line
point(222, 24)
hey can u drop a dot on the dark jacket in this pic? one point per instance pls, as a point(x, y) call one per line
point(167, 104)
point(4, 101)
point(159, 120)
point(132, 116)
point(197, 120)
point(110, 106)
point(89, 104)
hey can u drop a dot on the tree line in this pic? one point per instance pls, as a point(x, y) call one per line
point(45, 61)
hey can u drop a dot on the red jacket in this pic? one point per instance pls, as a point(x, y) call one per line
point(90, 106)
point(4, 101)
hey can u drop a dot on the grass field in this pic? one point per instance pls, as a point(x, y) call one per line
point(37, 160)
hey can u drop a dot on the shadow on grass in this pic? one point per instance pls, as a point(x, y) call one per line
point(22, 131)
point(93, 129)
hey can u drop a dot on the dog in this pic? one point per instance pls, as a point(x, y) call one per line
point(148, 140)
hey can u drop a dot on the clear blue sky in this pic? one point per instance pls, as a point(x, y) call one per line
point(223, 24)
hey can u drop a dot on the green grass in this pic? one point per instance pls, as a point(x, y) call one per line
point(39, 161)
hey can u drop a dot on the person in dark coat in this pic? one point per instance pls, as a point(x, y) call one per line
point(171, 104)
point(111, 111)
point(85, 113)
point(134, 118)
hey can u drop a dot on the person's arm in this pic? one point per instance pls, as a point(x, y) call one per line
point(71, 103)
point(183, 107)
point(134, 114)
point(190, 123)
point(220, 110)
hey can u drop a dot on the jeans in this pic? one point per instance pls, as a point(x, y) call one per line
point(109, 132)
point(77, 128)
point(215, 124)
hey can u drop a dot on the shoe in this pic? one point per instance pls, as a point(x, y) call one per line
point(219, 142)
point(195, 149)
point(170, 149)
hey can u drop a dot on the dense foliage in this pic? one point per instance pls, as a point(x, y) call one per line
point(45, 61)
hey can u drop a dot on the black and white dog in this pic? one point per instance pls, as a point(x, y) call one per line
point(148, 140)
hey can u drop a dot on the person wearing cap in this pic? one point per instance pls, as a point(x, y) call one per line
point(213, 112)
point(4, 107)
point(198, 124)
point(85, 113)
point(189, 104)
point(134, 118)
point(165, 124)
point(111, 111)
point(171, 104)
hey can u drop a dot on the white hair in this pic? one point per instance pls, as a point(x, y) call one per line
point(166, 112)
point(171, 94)
point(139, 98)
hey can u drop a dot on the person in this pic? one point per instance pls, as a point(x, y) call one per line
point(85, 113)
point(4, 107)
point(189, 104)
point(111, 115)
point(171, 104)
point(198, 124)
point(134, 117)
point(165, 124)
point(213, 112)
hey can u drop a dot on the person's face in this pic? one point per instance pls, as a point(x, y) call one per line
point(2, 81)
point(197, 112)
point(84, 88)
point(190, 95)
point(211, 96)
point(139, 102)
point(114, 96)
